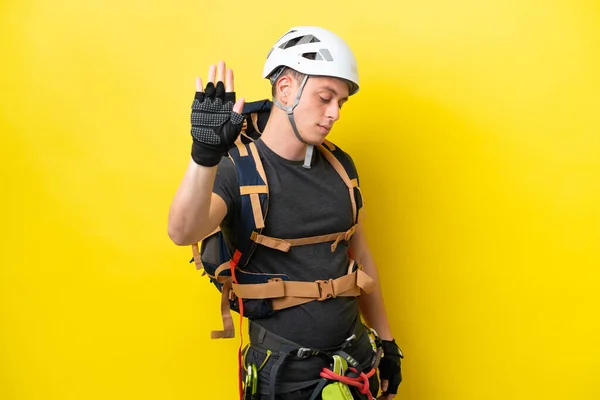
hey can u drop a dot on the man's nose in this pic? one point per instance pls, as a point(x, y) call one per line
point(333, 112)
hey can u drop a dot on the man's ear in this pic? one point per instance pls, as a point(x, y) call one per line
point(284, 88)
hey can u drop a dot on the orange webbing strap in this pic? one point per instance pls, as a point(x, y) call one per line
point(329, 145)
point(241, 147)
point(346, 286)
point(218, 271)
point(238, 142)
point(259, 166)
point(362, 198)
point(196, 250)
point(339, 168)
point(254, 117)
point(346, 236)
point(291, 293)
point(196, 254)
point(254, 190)
point(228, 331)
point(285, 244)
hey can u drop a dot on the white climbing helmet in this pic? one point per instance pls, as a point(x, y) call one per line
point(312, 50)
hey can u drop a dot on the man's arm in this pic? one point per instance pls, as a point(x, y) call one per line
point(371, 305)
point(216, 123)
point(372, 309)
point(195, 210)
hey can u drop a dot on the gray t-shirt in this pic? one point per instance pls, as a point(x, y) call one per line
point(302, 203)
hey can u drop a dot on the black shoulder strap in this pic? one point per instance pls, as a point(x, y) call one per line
point(254, 192)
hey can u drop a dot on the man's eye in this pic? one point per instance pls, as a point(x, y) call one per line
point(324, 100)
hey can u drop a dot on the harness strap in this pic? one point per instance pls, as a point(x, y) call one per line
point(344, 175)
point(253, 192)
point(196, 259)
point(265, 340)
point(228, 331)
point(319, 388)
point(254, 118)
point(223, 267)
point(241, 147)
point(196, 251)
point(285, 244)
point(291, 293)
point(285, 294)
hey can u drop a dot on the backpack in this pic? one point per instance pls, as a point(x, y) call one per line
point(257, 295)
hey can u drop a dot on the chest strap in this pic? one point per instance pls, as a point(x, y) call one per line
point(285, 244)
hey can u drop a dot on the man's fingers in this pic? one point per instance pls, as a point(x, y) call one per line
point(199, 87)
point(211, 73)
point(239, 106)
point(229, 81)
point(221, 72)
point(384, 385)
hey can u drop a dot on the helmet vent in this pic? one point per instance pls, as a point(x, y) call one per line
point(322, 55)
point(299, 40)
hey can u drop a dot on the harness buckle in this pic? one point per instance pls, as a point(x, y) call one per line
point(325, 289)
point(304, 352)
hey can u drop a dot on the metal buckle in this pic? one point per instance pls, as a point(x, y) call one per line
point(325, 289)
point(349, 341)
point(303, 352)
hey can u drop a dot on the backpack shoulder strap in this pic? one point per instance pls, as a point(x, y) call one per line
point(254, 192)
point(345, 168)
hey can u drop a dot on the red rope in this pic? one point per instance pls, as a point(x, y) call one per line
point(361, 381)
point(233, 264)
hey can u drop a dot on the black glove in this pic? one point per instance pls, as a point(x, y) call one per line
point(389, 366)
point(215, 126)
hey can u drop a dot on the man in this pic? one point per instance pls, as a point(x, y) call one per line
point(313, 73)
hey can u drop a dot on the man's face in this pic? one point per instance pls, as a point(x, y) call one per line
point(319, 107)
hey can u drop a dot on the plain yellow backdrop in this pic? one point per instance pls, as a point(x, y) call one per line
point(476, 134)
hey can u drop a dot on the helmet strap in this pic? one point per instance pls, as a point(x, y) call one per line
point(290, 112)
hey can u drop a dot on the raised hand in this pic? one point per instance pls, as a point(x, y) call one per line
point(216, 117)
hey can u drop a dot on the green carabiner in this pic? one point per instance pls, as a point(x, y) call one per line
point(254, 383)
point(248, 387)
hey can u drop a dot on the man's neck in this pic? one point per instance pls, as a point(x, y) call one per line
point(280, 138)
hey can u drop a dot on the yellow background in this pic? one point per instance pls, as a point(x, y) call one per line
point(475, 133)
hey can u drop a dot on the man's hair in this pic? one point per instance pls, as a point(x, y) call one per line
point(298, 76)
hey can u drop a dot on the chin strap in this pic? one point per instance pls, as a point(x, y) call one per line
point(290, 112)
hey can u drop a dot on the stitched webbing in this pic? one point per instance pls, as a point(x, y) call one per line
point(285, 244)
point(342, 173)
point(196, 251)
point(254, 190)
point(286, 294)
point(228, 331)
point(197, 259)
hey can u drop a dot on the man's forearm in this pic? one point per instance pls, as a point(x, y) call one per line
point(372, 306)
point(191, 204)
